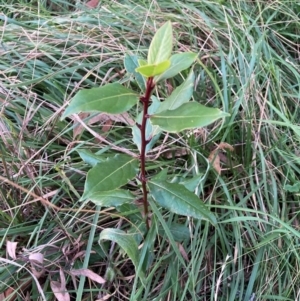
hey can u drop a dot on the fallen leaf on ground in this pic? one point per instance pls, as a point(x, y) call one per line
point(224, 145)
point(59, 288)
point(60, 293)
point(36, 262)
point(183, 252)
point(11, 249)
point(214, 160)
point(88, 273)
point(214, 157)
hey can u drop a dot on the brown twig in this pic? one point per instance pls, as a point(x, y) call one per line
point(145, 100)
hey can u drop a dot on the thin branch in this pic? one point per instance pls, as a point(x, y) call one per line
point(145, 100)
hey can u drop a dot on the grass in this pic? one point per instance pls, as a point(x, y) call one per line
point(249, 65)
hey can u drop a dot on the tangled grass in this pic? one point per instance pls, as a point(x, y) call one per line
point(249, 62)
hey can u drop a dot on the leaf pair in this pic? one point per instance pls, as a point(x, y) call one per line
point(161, 64)
point(114, 99)
point(159, 52)
point(105, 179)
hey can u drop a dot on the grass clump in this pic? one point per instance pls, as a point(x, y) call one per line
point(249, 66)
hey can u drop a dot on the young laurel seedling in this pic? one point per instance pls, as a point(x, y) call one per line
point(176, 113)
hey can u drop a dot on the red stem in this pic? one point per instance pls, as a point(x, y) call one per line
point(145, 99)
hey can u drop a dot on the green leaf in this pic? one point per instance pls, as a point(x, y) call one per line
point(179, 232)
point(168, 234)
point(161, 45)
point(112, 198)
point(131, 62)
point(180, 95)
point(193, 183)
point(152, 70)
point(89, 157)
point(188, 116)
point(142, 62)
point(179, 200)
point(162, 175)
point(109, 175)
point(124, 240)
point(292, 188)
point(179, 62)
point(111, 98)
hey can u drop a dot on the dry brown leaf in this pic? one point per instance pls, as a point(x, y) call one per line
point(36, 262)
point(88, 273)
point(224, 145)
point(124, 118)
point(79, 128)
point(62, 278)
point(214, 156)
point(183, 252)
point(81, 254)
point(36, 257)
point(8, 295)
point(59, 288)
point(177, 153)
point(11, 249)
point(11, 294)
point(214, 160)
point(107, 126)
point(27, 297)
point(92, 3)
point(105, 119)
point(60, 293)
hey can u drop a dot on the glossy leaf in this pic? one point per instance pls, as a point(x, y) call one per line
point(109, 175)
point(152, 70)
point(161, 45)
point(89, 157)
point(179, 62)
point(180, 95)
point(111, 98)
point(179, 200)
point(124, 240)
point(131, 62)
point(188, 116)
point(112, 198)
